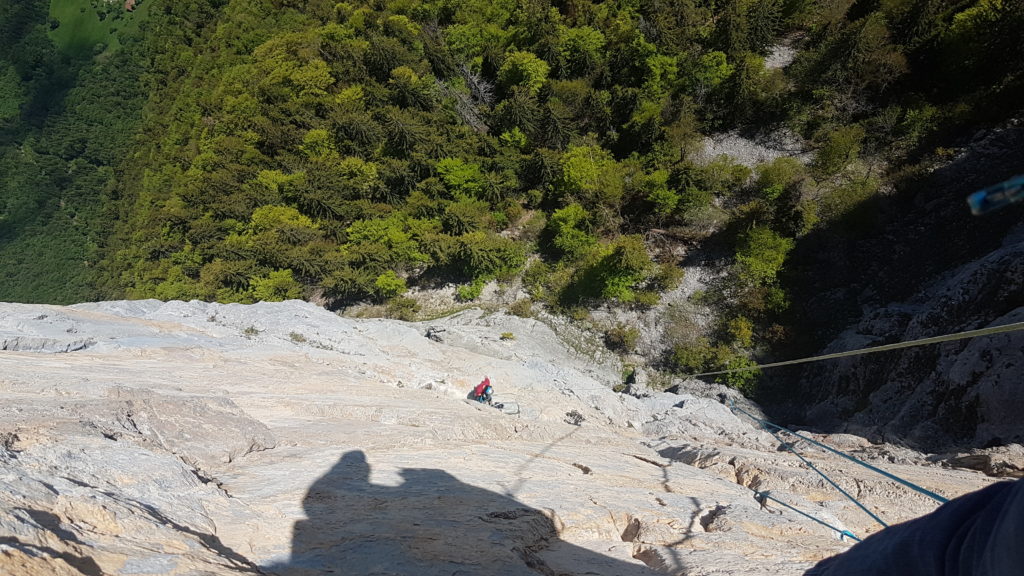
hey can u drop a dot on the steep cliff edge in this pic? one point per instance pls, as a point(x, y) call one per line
point(938, 397)
point(924, 267)
point(193, 438)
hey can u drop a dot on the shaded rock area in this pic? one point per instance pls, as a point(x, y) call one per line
point(963, 393)
point(922, 266)
point(198, 439)
point(913, 237)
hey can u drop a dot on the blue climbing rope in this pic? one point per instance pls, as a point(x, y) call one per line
point(762, 496)
point(829, 480)
point(907, 483)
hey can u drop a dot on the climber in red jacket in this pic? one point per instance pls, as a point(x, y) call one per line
point(483, 391)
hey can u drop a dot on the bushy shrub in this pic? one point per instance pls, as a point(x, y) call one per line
point(761, 255)
point(391, 242)
point(347, 283)
point(841, 201)
point(570, 232)
point(580, 49)
point(276, 286)
point(667, 276)
point(388, 285)
point(591, 176)
point(664, 200)
point(654, 187)
point(471, 291)
point(402, 308)
point(626, 264)
point(318, 145)
point(535, 279)
point(694, 199)
point(466, 215)
point(723, 175)
point(773, 178)
point(840, 147)
point(700, 356)
point(744, 380)
point(522, 308)
point(460, 178)
point(741, 331)
point(690, 358)
point(487, 255)
point(628, 374)
point(621, 338)
point(646, 299)
point(579, 313)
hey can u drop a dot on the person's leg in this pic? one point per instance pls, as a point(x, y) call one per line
point(977, 534)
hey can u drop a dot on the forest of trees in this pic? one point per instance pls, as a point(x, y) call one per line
point(70, 106)
point(245, 150)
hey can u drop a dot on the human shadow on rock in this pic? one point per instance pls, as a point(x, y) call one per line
point(431, 524)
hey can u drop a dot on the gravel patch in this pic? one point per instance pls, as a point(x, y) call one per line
point(751, 152)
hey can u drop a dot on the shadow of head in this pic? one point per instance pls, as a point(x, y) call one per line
point(431, 523)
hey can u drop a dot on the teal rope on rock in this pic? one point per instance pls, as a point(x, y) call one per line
point(893, 477)
point(829, 480)
point(762, 496)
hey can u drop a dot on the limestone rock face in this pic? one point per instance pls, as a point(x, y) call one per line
point(1003, 461)
point(198, 439)
point(203, 432)
point(90, 505)
point(942, 396)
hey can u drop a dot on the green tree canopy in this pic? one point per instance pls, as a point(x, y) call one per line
point(522, 68)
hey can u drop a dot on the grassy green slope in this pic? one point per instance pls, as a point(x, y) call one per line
point(84, 25)
point(80, 29)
